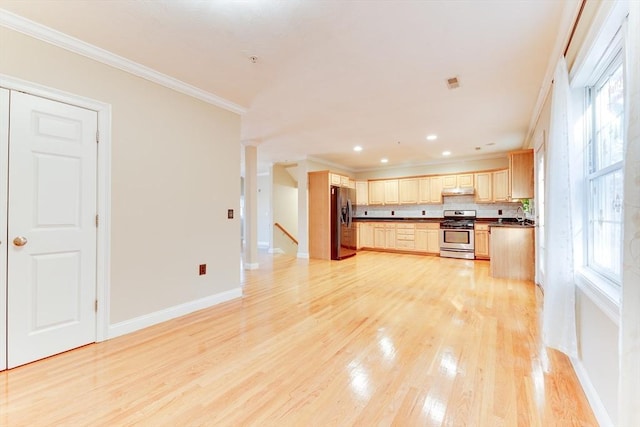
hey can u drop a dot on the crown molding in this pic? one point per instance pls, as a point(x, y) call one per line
point(72, 44)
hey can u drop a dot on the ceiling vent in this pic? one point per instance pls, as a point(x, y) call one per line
point(453, 83)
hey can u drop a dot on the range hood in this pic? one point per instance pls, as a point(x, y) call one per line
point(458, 191)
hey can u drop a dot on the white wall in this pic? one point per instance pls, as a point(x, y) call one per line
point(175, 169)
point(284, 196)
point(264, 210)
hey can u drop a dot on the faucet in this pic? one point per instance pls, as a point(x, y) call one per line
point(520, 214)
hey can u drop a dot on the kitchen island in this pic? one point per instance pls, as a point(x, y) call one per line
point(512, 250)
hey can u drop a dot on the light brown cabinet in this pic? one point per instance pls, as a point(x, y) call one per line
point(500, 186)
point(365, 235)
point(405, 236)
point(521, 174)
point(391, 192)
point(457, 181)
point(484, 191)
point(512, 252)
point(481, 235)
point(408, 191)
point(362, 193)
point(492, 186)
point(427, 238)
point(400, 236)
point(432, 190)
point(383, 192)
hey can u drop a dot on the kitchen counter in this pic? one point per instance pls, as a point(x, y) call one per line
point(396, 219)
point(506, 222)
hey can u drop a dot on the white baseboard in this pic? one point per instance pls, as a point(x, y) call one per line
point(251, 265)
point(276, 251)
point(303, 255)
point(597, 407)
point(263, 245)
point(151, 319)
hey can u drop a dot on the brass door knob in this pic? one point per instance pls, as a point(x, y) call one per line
point(20, 241)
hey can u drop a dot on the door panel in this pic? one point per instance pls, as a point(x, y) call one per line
point(52, 204)
point(4, 146)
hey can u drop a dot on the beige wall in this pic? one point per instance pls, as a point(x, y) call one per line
point(173, 159)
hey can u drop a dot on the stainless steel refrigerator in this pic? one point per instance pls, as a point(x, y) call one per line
point(343, 229)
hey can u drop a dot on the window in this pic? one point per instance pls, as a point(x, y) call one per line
point(605, 136)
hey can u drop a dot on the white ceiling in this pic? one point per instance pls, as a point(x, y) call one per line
point(334, 74)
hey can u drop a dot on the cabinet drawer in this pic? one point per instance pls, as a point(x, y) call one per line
point(405, 244)
point(429, 226)
point(405, 226)
point(482, 227)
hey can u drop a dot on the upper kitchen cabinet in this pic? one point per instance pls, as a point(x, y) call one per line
point(430, 190)
point(408, 190)
point(500, 185)
point(457, 181)
point(521, 174)
point(391, 192)
point(492, 186)
point(484, 193)
point(362, 193)
point(383, 192)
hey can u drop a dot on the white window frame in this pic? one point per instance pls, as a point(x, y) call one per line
point(613, 60)
point(591, 60)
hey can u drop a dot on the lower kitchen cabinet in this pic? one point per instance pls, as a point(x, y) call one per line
point(512, 252)
point(482, 241)
point(427, 238)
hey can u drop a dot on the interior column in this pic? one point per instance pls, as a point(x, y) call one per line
point(251, 207)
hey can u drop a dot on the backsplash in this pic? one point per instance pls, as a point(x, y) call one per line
point(483, 210)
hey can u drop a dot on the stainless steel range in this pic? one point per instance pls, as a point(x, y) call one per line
point(456, 234)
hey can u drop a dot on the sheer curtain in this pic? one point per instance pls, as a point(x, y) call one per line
point(558, 314)
point(629, 380)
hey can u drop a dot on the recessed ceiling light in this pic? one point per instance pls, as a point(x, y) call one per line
point(432, 137)
point(384, 160)
point(357, 148)
point(446, 153)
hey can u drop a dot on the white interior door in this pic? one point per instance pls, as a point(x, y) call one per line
point(51, 260)
point(4, 146)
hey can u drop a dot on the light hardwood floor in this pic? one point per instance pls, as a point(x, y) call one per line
point(375, 340)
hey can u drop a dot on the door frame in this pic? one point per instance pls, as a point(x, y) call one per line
point(103, 190)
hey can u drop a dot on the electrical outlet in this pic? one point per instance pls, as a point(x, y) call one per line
point(203, 269)
point(423, 213)
point(393, 212)
point(365, 213)
point(230, 213)
point(499, 211)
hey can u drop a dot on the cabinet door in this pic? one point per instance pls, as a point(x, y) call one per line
point(433, 241)
point(465, 180)
point(484, 192)
point(376, 192)
point(449, 181)
point(500, 186)
point(379, 236)
point(482, 243)
point(367, 235)
point(390, 236)
point(436, 189)
point(391, 192)
point(424, 190)
point(362, 193)
point(344, 181)
point(334, 179)
point(521, 174)
point(421, 239)
point(408, 190)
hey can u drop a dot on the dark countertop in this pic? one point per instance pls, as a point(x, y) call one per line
point(396, 219)
point(492, 222)
point(507, 222)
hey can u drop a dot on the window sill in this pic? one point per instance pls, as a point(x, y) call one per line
point(604, 294)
